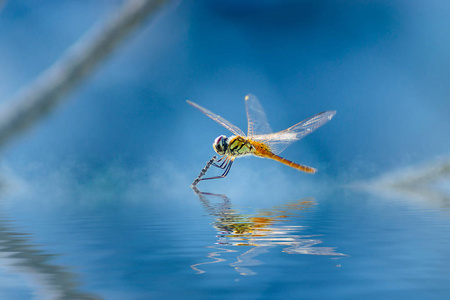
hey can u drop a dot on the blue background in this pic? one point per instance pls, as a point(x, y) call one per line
point(104, 179)
point(382, 65)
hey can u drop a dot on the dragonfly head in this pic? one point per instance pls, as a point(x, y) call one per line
point(220, 144)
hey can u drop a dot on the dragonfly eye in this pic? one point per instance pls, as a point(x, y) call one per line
point(220, 145)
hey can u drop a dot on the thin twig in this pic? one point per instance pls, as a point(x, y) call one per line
point(427, 182)
point(42, 96)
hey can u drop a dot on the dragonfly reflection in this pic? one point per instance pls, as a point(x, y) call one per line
point(261, 232)
point(260, 141)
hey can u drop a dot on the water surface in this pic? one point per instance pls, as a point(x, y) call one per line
point(120, 237)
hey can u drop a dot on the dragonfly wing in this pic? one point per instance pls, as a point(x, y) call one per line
point(234, 129)
point(281, 140)
point(256, 117)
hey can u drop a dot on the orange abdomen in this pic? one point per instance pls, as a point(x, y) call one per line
point(262, 150)
point(292, 164)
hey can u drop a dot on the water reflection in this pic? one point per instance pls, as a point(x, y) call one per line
point(264, 230)
point(47, 280)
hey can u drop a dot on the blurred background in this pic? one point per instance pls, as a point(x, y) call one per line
point(382, 65)
point(104, 177)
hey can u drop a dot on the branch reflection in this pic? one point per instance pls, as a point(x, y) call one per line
point(47, 280)
point(262, 231)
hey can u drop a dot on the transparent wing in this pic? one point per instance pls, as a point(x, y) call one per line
point(256, 117)
point(234, 129)
point(281, 140)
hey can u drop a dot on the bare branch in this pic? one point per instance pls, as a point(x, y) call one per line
point(426, 182)
point(42, 96)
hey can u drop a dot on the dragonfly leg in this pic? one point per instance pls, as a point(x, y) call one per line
point(223, 162)
point(203, 171)
point(227, 167)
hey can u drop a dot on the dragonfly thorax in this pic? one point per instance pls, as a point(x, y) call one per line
point(220, 145)
point(233, 146)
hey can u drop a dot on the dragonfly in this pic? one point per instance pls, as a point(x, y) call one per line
point(260, 140)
